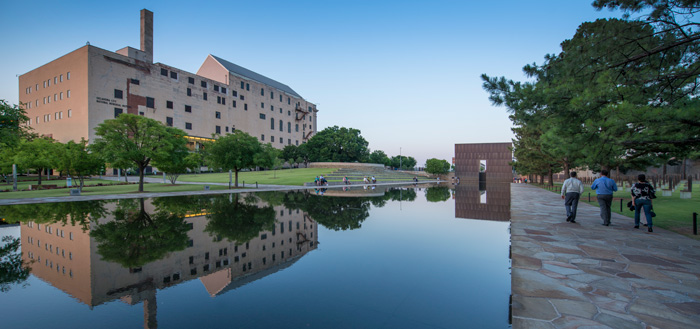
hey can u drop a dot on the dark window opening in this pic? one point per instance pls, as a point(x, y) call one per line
point(188, 125)
point(173, 75)
point(135, 82)
point(169, 104)
point(118, 94)
point(117, 111)
point(190, 80)
point(169, 121)
point(189, 92)
point(188, 108)
point(204, 84)
point(217, 114)
point(150, 102)
point(163, 72)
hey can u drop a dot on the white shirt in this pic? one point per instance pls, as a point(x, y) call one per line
point(572, 185)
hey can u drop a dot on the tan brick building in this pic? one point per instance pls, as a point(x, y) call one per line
point(68, 97)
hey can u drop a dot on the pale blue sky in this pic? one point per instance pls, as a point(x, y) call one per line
point(406, 73)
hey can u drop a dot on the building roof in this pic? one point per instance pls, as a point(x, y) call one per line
point(242, 71)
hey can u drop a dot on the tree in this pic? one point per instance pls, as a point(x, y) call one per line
point(13, 269)
point(268, 157)
point(177, 163)
point(435, 166)
point(13, 126)
point(403, 162)
point(337, 144)
point(234, 152)
point(136, 140)
point(75, 160)
point(238, 220)
point(290, 154)
point(437, 194)
point(135, 237)
point(38, 154)
point(378, 156)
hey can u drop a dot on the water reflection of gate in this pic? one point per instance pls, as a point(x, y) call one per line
point(483, 201)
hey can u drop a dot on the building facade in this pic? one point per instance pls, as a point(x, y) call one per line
point(68, 97)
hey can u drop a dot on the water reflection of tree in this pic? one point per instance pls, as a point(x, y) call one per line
point(437, 194)
point(336, 213)
point(238, 218)
point(135, 237)
point(13, 270)
point(75, 213)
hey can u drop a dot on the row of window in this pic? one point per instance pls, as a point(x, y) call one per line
point(47, 83)
point(47, 100)
point(190, 80)
point(47, 117)
point(49, 229)
point(281, 140)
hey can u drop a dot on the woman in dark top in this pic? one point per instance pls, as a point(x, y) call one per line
point(642, 193)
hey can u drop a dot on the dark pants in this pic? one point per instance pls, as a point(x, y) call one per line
point(605, 202)
point(571, 204)
point(638, 205)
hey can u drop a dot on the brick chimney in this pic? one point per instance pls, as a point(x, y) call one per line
point(147, 33)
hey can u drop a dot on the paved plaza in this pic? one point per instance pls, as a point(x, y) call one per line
point(586, 275)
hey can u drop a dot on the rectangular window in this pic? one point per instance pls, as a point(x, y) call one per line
point(224, 90)
point(204, 84)
point(189, 92)
point(281, 126)
point(188, 108)
point(204, 96)
point(169, 104)
point(247, 86)
point(70, 113)
point(262, 92)
point(262, 105)
point(272, 108)
point(242, 97)
point(60, 96)
point(150, 102)
point(55, 80)
point(262, 115)
point(60, 115)
point(262, 137)
point(297, 142)
point(68, 93)
point(272, 139)
point(296, 127)
point(190, 80)
point(281, 140)
point(173, 75)
point(61, 78)
point(135, 82)
point(169, 121)
point(272, 95)
point(218, 129)
point(117, 111)
point(188, 125)
point(163, 72)
point(272, 123)
point(217, 115)
point(289, 127)
point(226, 128)
point(234, 103)
point(68, 75)
point(289, 141)
point(234, 93)
point(280, 98)
point(242, 84)
point(245, 107)
point(288, 101)
point(216, 88)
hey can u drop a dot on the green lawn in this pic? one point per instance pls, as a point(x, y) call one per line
point(107, 189)
point(23, 184)
point(281, 177)
point(672, 212)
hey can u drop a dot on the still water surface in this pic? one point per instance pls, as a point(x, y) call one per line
point(383, 258)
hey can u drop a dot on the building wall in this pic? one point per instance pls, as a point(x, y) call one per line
point(98, 76)
point(497, 155)
point(55, 96)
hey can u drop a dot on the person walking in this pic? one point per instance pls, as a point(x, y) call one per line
point(571, 192)
point(604, 188)
point(642, 193)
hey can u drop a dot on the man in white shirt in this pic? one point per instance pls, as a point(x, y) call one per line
point(571, 192)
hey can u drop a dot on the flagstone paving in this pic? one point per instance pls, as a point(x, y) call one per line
point(585, 275)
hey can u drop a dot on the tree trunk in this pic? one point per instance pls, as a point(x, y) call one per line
point(550, 176)
point(141, 170)
point(236, 184)
point(683, 176)
point(41, 170)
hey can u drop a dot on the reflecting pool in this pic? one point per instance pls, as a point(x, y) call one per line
point(383, 257)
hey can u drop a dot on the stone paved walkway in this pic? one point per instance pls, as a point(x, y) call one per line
point(586, 275)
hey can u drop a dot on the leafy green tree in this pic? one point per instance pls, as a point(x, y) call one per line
point(437, 194)
point(436, 166)
point(136, 140)
point(76, 161)
point(234, 152)
point(38, 154)
point(13, 270)
point(403, 162)
point(13, 126)
point(66, 213)
point(135, 237)
point(239, 219)
point(337, 144)
point(378, 156)
point(290, 154)
point(268, 157)
point(177, 163)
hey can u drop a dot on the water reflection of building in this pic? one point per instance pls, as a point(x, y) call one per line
point(67, 258)
point(478, 202)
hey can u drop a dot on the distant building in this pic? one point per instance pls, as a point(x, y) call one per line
point(68, 97)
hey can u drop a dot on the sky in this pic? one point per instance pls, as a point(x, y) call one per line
point(405, 73)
